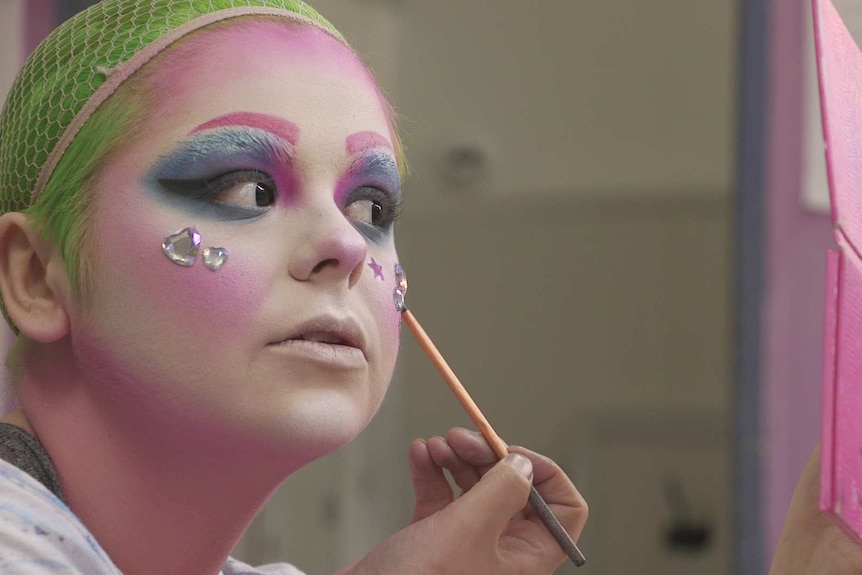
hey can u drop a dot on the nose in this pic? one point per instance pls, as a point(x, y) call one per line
point(330, 251)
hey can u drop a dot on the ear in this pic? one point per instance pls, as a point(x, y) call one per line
point(33, 280)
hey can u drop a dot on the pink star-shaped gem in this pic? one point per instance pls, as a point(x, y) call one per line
point(376, 268)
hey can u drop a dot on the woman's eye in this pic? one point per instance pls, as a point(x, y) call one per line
point(373, 211)
point(367, 212)
point(246, 193)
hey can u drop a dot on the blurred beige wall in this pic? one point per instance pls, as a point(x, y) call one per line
point(618, 97)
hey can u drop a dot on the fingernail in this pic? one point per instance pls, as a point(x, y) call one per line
point(521, 463)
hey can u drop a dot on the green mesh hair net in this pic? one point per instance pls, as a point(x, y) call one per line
point(84, 61)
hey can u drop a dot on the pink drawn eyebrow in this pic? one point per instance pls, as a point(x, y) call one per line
point(284, 129)
point(361, 141)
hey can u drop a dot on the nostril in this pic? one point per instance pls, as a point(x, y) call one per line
point(319, 267)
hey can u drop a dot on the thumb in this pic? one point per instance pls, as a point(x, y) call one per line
point(499, 495)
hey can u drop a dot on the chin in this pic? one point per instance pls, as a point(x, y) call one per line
point(315, 423)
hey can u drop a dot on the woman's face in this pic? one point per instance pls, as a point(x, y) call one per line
point(272, 142)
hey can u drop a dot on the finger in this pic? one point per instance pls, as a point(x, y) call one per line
point(811, 542)
point(433, 492)
point(498, 496)
point(464, 474)
point(558, 491)
point(808, 488)
point(471, 447)
point(551, 481)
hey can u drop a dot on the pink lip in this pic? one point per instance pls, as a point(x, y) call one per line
point(343, 329)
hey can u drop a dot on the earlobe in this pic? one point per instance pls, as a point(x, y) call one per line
point(32, 280)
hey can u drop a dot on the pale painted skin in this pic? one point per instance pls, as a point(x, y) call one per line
point(176, 378)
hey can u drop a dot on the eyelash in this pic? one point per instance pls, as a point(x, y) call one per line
point(389, 203)
point(226, 182)
point(205, 189)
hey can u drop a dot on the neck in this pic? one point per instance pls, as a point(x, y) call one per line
point(160, 493)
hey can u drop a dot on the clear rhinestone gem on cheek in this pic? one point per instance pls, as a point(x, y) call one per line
point(214, 258)
point(399, 300)
point(401, 288)
point(401, 278)
point(182, 247)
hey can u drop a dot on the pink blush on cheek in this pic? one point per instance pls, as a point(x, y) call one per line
point(384, 301)
point(141, 277)
point(390, 326)
point(392, 317)
point(201, 298)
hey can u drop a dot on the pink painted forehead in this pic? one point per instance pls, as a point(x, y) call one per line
point(284, 129)
point(361, 141)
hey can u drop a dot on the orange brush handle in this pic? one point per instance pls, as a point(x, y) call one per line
point(497, 445)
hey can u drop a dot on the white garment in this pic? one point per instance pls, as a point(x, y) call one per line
point(39, 535)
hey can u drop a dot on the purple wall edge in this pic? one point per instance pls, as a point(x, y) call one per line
point(39, 22)
point(795, 275)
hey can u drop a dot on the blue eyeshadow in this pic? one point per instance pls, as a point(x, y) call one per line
point(206, 155)
point(374, 175)
point(180, 177)
point(380, 168)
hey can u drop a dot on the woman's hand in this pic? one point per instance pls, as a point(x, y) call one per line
point(811, 543)
point(486, 530)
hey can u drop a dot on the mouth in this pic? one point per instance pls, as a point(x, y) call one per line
point(327, 338)
point(324, 337)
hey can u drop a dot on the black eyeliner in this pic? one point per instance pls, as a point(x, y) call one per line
point(199, 168)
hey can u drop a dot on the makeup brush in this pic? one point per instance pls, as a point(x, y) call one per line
point(498, 446)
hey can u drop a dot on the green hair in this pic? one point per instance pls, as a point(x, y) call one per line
point(63, 211)
point(77, 99)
